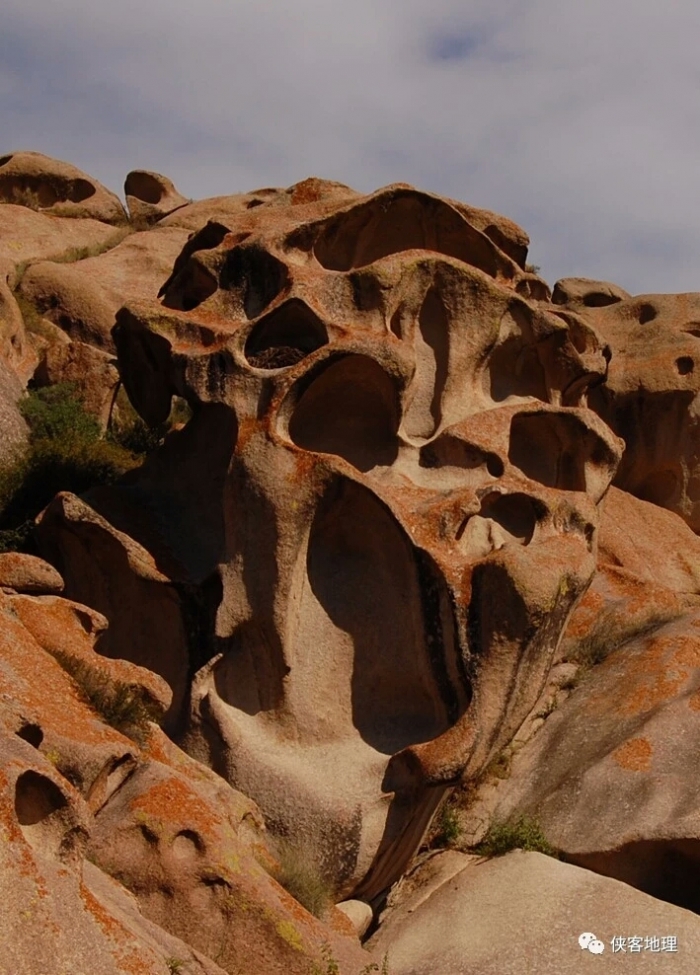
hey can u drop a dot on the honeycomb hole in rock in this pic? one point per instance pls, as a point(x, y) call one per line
point(285, 336)
point(599, 299)
point(431, 348)
point(79, 190)
point(517, 514)
point(191, 288)
point(685, 365)
point(349, 408)
point(560, 451)
point(4, 160)
point(255, 273)
point(41, 807)
point(173, 290)
point(646, 313)
point(451, 451)
point(28, 191)
point(188, 845)
point(31, 733)
point(514, 368)
point(363, 623)
point(144, 361)
point(401, 221)
point(143, 186)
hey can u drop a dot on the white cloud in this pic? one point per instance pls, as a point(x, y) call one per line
point(580, 121)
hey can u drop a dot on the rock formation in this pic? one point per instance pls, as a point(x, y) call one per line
point(374, 564)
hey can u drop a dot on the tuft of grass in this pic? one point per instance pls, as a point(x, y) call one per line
point(175, 965)
point(32, 317)
point(118, 704)
point(447, 829)
point(523, 834)
point(549, 708)
point(382, 969)
point(25, 196)
point(329, 964)
point(500, 766)
point(300, 873)
point(74, 254)
point(533, 268)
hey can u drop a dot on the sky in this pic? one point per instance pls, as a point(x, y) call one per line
point(580, 121)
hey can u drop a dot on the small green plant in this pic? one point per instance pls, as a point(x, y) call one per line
point(118, 704)
point(533, 268)
point(523, 834)
point(25, 196)
point(549, 708)
point(300, 874)
point(175, 965)
point(329, 965)
point(74, 254)
point(382, 969)
point(500, 766)
point(448, 828)
point(32, 317)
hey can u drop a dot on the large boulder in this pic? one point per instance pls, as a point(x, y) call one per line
point(150, 196)
point(14, 432)
point(525, 912)
point(83, 296)
point(38, 182)
point(86, 775)
point(650, 394)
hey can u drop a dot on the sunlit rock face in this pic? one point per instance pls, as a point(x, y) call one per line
point(651, 394)
point(384, 508)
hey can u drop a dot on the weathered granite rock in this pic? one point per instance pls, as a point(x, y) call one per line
point(150, 196)
point(39, 182)
point(420, 497)
point(83, 296)
point(27, 573)
point(525, 912)
point(650, 393)
point(14, 432)
point(74, 786)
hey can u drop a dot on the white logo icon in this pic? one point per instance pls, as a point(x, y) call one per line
point(587, 940)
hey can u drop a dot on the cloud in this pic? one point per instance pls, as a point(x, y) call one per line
point(579, 121)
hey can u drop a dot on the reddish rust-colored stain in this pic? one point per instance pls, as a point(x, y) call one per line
point(634, 755)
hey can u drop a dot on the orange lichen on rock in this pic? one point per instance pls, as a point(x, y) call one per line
point(634, 755)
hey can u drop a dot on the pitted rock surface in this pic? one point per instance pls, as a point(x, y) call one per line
point(42, 183)
point(405, 431)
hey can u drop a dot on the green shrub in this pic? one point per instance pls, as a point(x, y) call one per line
point(117, 703)
point(523, 834)
point(447, 829)
point(301, 876)
point(65, 453)
point(57, 413)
